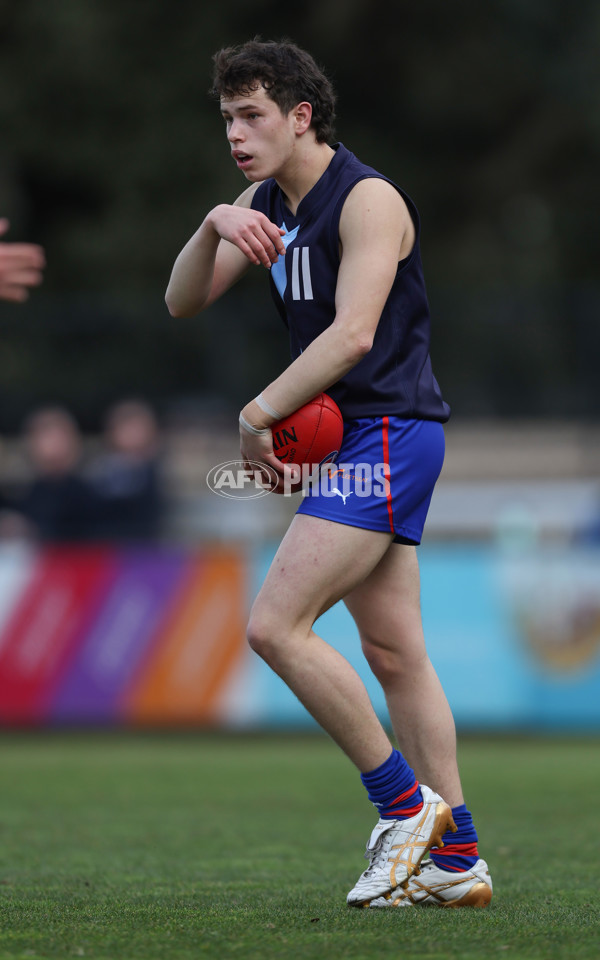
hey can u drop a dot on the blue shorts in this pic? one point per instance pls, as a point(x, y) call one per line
point(383, 479)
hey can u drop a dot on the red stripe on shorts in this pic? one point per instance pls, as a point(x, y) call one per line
point(386, 459)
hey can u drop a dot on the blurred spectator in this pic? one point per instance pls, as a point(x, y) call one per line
point(58, 504)
point(21, 266)
point(126, 476)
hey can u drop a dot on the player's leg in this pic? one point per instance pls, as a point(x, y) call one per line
point(386, 608)
point(318, 562)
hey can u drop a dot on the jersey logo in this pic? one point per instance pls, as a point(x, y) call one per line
point(301, 277)
point(301, 269)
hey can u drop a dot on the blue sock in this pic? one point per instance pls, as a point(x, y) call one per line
point(460, 849)
point(393, 788)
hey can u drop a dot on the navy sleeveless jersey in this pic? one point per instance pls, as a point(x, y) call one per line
point(395, 377)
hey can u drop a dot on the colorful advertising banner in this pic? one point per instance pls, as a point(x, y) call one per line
point(156, 637)
point(105, 636)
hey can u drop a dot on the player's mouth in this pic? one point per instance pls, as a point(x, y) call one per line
point(242, 159)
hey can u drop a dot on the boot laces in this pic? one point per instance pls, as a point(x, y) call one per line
point(378, 853)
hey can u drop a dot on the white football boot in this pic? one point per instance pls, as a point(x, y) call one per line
point(396, 848)
point(442, 888)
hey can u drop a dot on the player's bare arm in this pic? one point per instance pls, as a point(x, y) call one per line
point(376, 231)
point(21, 266)
point(230, 239)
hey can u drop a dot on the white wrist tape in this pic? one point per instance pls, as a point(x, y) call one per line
point(266, 407)
point(255, 431)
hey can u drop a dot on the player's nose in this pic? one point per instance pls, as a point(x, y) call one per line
point(234, 132)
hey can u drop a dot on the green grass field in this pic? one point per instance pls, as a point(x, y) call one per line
point(119, 846)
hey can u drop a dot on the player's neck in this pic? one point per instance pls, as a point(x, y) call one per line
point(305, 169)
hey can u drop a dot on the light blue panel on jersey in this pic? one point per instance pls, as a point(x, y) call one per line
point(515, 639)
point(278, 269)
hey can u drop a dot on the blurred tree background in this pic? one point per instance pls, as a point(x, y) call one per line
point(111, 151)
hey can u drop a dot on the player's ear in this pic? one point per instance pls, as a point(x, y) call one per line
point(302, 117)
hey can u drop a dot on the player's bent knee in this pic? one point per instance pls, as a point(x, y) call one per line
point(393, 665)
point(262, 636)
point(272, 640)
point(383, 663)
point(256, 636)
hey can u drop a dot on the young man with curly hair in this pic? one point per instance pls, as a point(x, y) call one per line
point(341, 244)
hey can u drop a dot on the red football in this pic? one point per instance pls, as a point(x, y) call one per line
point(312, 434)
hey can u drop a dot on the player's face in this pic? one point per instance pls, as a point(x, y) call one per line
point(261, 137)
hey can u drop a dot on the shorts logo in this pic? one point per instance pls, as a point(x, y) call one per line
point(344, 479)
point(344, 496)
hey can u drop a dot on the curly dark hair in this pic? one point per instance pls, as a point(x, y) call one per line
point(289, 75)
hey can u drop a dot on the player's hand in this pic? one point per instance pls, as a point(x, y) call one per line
point(251, 231)
point(255, 450)
point(21, 266)
point(278, 477)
